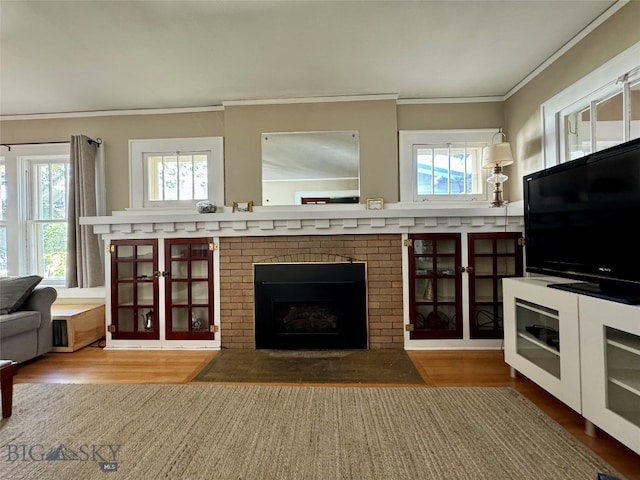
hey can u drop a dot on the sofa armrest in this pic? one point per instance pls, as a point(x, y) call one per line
point(41, 300)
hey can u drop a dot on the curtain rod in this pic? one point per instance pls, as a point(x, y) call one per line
point(97, 141)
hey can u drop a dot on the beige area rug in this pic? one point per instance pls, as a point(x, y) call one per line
point(253, 432)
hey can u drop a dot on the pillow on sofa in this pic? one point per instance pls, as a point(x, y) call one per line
point(15, 290)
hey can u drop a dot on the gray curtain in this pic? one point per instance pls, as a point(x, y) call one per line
point(84, 262)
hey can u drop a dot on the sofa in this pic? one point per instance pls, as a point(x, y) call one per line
point(25, 318)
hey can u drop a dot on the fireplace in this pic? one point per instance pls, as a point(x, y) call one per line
point(310, 306)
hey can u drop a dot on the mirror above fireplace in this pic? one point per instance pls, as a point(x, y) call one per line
point(310, 167)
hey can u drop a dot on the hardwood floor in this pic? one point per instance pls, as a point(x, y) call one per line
point(438, 368)
point(95, 365)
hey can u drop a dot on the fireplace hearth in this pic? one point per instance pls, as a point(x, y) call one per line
point(310, 306)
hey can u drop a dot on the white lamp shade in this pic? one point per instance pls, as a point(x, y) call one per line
point(497, 154)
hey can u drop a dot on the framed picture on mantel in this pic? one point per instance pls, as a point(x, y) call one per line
point(243, 206)
point(375, 203)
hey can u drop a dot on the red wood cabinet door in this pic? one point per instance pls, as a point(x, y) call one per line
point(189, 288)
point(134, 289)
point(492, 257)
point(435, 283)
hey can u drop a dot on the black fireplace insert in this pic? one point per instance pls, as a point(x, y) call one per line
point(310, 306)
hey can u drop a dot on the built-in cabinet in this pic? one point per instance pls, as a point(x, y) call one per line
point(134, 289)
point(492, 258)
point(435, 280)
point(583, 350)
point(162, 289)
point(188, 289)
point(610, 353)
point(436, 293)
point(155, 289)
point(542, 336)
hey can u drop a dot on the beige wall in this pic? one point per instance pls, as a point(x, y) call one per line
point(375, 120)
point(441, 116)
point(378, 122)
point(115, 131)
point(522, 110)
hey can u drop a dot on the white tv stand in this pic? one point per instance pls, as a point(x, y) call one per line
point(583, 350)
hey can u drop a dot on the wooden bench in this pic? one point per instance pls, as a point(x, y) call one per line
point(76, 326)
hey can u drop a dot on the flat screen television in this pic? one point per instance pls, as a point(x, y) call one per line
point(582, 220)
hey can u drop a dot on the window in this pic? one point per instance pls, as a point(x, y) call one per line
point(176, 172)
point(34, 183)
point(179, 176)
point(601, 124)
point(578, 133)
point(438, 165)
point(446, 169)
point(597, 112)
point(47, 215)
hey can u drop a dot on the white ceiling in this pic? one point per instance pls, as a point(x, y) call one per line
point(81, 56)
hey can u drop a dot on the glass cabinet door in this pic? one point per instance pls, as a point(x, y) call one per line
point(492, 257)
point(435, 283)
point(623, 374)
point(189, 288)
point(538, 335)
point(134, 287)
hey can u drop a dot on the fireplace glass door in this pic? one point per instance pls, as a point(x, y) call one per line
point(310, 306)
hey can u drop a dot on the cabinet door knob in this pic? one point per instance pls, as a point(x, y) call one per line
point(461, 269)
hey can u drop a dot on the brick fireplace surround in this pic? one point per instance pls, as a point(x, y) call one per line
point(382, 254)
point(306, 233)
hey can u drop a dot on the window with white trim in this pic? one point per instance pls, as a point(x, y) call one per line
point(443, 165)
point(46, 220)
point(34, 184)
point(176, 172)
point(597, 112)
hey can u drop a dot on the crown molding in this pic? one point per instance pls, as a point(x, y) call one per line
point(211, 108)
point(282, 101)
point(420, 101)
point(112, 113)
point(568, 46)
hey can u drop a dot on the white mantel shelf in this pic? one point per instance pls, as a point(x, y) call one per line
point(304, 220)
